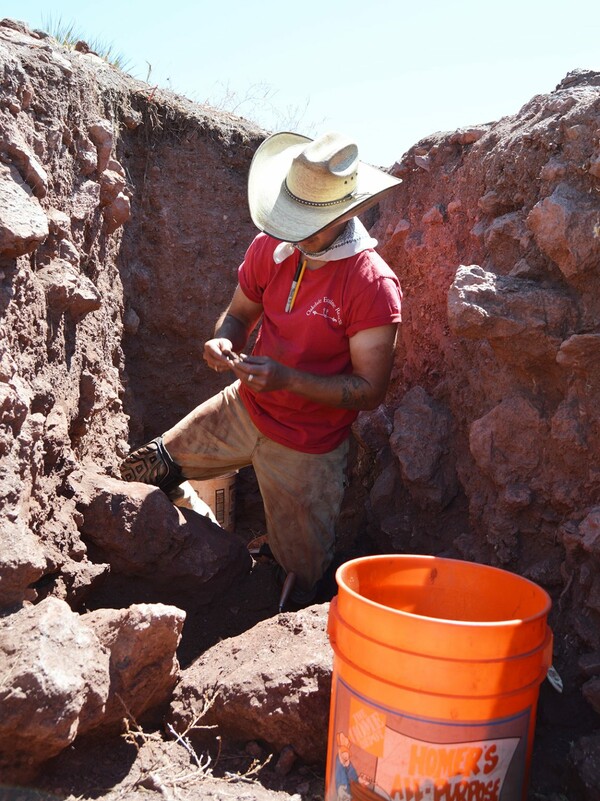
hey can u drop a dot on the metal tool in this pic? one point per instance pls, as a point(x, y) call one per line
point(288, 585)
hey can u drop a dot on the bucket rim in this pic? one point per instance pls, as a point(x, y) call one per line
point(514, 623)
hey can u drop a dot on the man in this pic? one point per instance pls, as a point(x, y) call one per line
point(330, 308)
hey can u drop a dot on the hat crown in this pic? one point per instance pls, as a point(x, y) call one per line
point(325, 170)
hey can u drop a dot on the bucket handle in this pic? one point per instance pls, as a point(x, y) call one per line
point(547, 653)
point(331, 619)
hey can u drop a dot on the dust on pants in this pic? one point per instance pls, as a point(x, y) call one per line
point(302, 492)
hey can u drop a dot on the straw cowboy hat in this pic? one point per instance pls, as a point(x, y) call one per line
point(297, 186)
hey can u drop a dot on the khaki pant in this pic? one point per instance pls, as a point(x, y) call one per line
point(302, 492)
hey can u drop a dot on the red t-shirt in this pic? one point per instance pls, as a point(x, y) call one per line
point(333, 303)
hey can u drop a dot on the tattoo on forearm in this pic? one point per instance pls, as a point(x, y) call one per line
point(353, 392)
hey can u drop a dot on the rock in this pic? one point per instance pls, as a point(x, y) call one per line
point(421, 441)
point(589, 664)
point(435, 216)
point(142, 642)
point(507, 239)
point(22, 562)
point(580, 353)
point(23, 224)
point(566, 227)
point(66, 674)
point(66, 289)
point(139, 532)
point(467, 136)
point(506, 458)
point(13, 143)
point(101, 134)
point(588, 532)
point(507, 311)
point(111, 185)
point(373, 429)
point(384, 491)
point(286, 760)
point(271, 683)
point(56, 676)
point(117, 213)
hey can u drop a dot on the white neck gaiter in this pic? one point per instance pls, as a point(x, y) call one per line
point(353, 239)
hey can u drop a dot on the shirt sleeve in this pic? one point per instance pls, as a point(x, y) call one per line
point(376, 299)
point(254, 271)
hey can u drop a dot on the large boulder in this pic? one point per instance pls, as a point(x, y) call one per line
point(271, 683)
point(140, 533)
point(64, 675)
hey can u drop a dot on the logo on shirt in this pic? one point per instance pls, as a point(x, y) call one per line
point(327, 308)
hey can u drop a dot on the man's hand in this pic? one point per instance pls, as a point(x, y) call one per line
point(260, 373)
point(219, 354)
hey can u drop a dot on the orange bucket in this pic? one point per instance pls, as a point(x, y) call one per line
point(436, 674)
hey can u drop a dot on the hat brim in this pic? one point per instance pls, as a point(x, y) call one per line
point(275, 212)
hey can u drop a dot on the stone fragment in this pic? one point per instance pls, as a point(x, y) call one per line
point(566, 228)
point(434, 216)
point(402, 227)
point(111, 184)
point(67, 289)
point(132, 119)
point(490, 203)
point(23, 224)
point(13, 143)
point(131, 321)
point(85, 201)
point(421, 441)
point(286, 760)
point(553, 170)
point(101, 134)
point(484, 305)
point(117, 213)
point(589, 532)
point(372, 429)
point(87, 155)
point(580, 352)
point(59, 223)
point(589, 664)
point(467, 136)
point(22, 560)
point(384, 491)
point(142, 642)
point(506, 239)
point(507, 442)
point(65, 675)
point(272, 684)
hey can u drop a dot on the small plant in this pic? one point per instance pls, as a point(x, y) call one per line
point(66, 34)
point(259, 105)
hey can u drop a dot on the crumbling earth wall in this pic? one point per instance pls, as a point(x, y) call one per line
point(489, 447)
point(99, 338)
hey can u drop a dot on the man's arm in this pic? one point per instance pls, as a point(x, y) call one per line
point(372, 356)
point(232, 330)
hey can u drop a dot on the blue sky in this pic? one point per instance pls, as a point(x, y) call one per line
point(387, 72)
